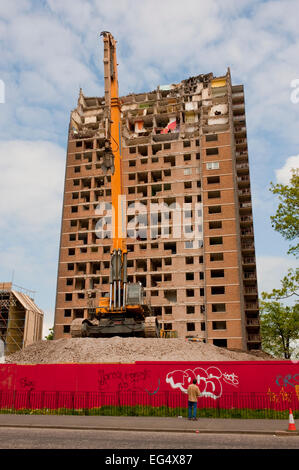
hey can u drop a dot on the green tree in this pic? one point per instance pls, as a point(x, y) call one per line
point(279, 328)
point(50, 335)
point(289, 287)
point(286, 219)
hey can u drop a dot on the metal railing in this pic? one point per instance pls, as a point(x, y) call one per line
point(172, 403)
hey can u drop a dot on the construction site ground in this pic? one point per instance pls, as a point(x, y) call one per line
point(126, 350)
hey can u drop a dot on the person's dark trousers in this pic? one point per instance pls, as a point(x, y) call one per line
point(192, 408)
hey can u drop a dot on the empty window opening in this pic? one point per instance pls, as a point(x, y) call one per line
point(190, 292)
point(213, 179)
point(78, 313)
point(156, 148)
point(155, 280)
point(218, 307)
point(213, 194)
point(170, 295)
point(211, 137)
point(212, 151)
point(216, 241)
point(215, 224)
point(216, 256)
point(189, 276)
point(170, 246)
point(218, 290)
point(190, 309)
point(222, 343)
point(168, 310)
point(190, 326)
point(170, 159)
point(214, 209)
point(217, 272)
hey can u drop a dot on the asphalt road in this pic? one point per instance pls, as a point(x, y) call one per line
point(14, 438)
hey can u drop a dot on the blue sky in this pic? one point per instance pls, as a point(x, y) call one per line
point(51, 48)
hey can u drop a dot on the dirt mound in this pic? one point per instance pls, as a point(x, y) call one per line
point(124, 350)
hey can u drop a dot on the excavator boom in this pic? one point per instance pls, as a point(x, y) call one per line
point(125, 313)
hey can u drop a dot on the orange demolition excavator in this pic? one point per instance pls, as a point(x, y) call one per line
point(124, 312)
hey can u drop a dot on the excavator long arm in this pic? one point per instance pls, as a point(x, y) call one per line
point(112, 161)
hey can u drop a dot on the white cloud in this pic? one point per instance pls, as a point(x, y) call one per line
point(284, 174)
point(31, 185)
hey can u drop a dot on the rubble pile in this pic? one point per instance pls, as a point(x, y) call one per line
point(126, 350)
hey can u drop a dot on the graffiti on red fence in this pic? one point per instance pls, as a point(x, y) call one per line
point(281, 395)
point(122, 381)
point(288, 379)
point(208, 380)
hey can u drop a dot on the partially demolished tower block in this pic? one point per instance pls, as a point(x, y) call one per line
point(181, 144)
point(21, 320)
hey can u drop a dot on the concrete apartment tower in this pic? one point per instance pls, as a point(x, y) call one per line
point(184, 146)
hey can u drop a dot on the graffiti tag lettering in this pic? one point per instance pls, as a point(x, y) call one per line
point(122, 381)
point(282, 395)
point(208, 380)
point(287, 380)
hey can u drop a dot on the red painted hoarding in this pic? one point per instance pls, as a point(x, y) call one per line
point(159, 382)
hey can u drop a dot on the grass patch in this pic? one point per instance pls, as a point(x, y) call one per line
point(163, 411)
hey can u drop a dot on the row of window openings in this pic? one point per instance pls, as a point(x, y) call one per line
point(156, 188)
point(190, 327)
point(85, 196)
point(170, 295)
point(216, 325)
point(190, 310)
point(143, 150)
point(166, 159)
point(96, 267)
point(80, 283)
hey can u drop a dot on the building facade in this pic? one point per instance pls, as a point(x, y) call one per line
point(189, 214)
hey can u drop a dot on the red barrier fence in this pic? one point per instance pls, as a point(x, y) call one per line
point(254, 385)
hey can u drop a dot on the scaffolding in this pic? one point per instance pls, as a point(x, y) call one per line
point(20, 319)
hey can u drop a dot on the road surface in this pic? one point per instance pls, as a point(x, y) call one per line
point(26, 438)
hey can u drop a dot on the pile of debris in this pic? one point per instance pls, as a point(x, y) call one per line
point(126, 350)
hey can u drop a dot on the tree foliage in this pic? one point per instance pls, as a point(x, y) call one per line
point(50, 336)
point(289, 287)
point(286, 219)
point(279, 329)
